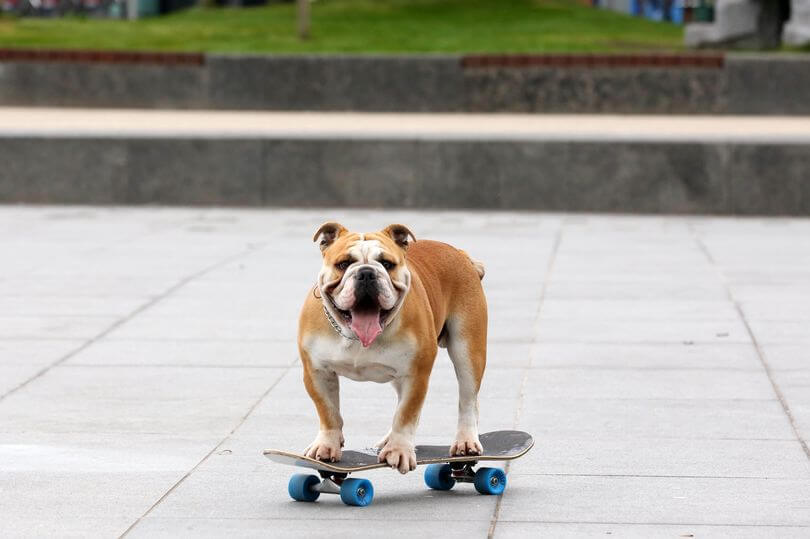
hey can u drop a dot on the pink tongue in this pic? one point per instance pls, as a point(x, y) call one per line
point(366, 325)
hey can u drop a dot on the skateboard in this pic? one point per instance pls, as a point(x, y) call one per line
point(442, 472)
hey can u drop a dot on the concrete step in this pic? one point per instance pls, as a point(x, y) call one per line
point(668, 164)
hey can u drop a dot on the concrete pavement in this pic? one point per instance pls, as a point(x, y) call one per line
point(147, 357)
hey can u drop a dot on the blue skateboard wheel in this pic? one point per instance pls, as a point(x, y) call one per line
point(357, 492)
point(490, 480)
point(439, 477)
point(301, 486)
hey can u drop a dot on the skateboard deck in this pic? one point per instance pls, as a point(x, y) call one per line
point(497, 445)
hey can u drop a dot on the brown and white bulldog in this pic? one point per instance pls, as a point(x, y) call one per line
point(380, 308)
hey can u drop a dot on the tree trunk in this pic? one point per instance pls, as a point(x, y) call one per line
point(303, 19)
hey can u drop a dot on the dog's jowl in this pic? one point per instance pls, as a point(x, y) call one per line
point(382, 305)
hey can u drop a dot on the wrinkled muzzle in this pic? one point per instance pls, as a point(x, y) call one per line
point(365, 299)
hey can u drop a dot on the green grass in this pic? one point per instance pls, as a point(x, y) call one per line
point(361, 26)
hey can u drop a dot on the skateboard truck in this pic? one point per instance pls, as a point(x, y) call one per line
point(330, 482)
point(463, 472)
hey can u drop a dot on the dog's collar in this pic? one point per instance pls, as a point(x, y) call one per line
point(336, 326)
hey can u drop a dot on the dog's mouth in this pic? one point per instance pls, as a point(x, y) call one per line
point(348, 316)
point(366, 319)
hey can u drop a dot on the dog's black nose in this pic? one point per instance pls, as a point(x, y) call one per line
point(366, 274)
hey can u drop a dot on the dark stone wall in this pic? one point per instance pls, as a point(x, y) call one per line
point(600, 90)
point(383, 83)
point(98, 85)
point(768, 84)
point(651, 84)
point(588, 176)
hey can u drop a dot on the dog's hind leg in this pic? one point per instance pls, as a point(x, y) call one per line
point(467, 347)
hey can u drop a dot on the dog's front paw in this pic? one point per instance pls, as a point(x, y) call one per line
point(399, 454)
point(326, 446)
point(383, 441)
point(466, 444)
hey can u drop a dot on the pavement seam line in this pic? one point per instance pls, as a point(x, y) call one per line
point(676, 523)
point(516, 521)
point(760, 354)
point(214, 450)
point(135, 312)
point(546, 279)
point(659, 476)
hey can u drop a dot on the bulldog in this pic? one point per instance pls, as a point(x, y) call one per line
point(382, 305)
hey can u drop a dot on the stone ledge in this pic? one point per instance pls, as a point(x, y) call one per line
point(640, 177)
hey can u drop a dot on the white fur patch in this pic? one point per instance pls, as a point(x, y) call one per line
point(366, 251)
point(385, 360)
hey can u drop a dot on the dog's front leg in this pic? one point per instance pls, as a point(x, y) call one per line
point(398, 449)
point(324, 390)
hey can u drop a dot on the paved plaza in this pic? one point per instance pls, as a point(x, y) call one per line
point(147, 357)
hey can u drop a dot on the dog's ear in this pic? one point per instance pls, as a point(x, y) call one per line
point(327, 233)
point(400, 234)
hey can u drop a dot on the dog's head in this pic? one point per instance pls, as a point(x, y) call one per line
point(364, 278)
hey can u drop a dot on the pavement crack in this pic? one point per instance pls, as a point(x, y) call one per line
point(760, 354)
point(214, 450)
point(518, 412)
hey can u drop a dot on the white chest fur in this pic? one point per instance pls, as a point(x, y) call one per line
point(385, 360)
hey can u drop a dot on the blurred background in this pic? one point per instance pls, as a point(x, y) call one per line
point(664, 67)
point(410, 26)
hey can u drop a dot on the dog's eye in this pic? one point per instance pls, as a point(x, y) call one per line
point(343, 266)
point(387, 265)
